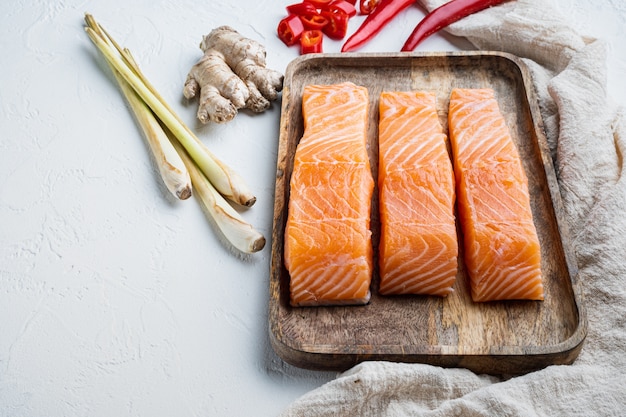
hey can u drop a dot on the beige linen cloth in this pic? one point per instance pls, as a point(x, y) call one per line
point(587, 137)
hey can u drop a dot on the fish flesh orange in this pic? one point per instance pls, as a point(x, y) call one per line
point(328, 246)
point(502, 250)
point(418, 245)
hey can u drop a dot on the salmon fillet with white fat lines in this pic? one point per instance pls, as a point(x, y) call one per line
point(502, 251)
point(328, 249)
point(418, 244)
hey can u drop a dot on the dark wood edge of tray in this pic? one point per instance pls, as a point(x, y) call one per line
point(493, 364)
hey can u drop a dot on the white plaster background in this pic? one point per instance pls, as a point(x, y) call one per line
point(116, 300)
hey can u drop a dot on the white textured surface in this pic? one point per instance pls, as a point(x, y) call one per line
point(116, 300)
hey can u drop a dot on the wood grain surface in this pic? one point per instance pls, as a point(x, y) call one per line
point(508, 337)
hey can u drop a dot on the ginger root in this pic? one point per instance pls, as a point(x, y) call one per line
point(231, 75)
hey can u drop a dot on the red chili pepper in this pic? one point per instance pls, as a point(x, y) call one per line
point(352, 2)
point(306, 8)
point(342, 6)
point(368, 6)
point(337, 26)
point(321, 4)
point(375, 21)
point(311, 42)
point(443, 16)
point(317, 21)
point(290, 30)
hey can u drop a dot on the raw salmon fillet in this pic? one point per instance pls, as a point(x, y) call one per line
point(502, 252)
point(328, 248)
point(418, 245)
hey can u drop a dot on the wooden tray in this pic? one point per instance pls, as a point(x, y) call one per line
point(510, 337)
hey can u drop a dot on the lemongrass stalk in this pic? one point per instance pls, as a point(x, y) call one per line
point(171, 167)
point(225, 180)
point(234, 228)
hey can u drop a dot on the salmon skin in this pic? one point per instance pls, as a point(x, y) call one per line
point(502, 251)
point(328, 246)
point(418, 245)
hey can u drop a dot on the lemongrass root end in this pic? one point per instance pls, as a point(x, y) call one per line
point(258, 244)
point(250, 202)
point(184, 193)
